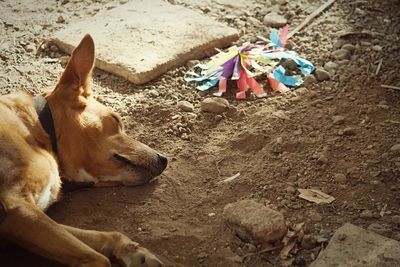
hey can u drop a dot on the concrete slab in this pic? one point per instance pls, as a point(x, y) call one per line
point(352, 246)
point(141, 39)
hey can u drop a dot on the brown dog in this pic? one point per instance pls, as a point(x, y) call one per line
point(67, 129)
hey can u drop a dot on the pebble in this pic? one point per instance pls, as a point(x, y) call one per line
point(377, 48)
point(315, 216)
point(274, 20)
point(341, 54)
point(395, 148)
point(214, 105)
point(331, 66)
point(290, 189)
point(349, 131)
point(321, 75)
point(396, 219)
point(254, 222)
point(309, 242)
point(250, 247)
point(340, 178)
point(185, 106)
point(60, 19)
point(349, 47)
point(337, 120)
point(366, 214)
point(30, 48)
point(379, 229)
point(154, 93)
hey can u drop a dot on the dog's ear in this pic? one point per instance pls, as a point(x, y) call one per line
point(77, 74)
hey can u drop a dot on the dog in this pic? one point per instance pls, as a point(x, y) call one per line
point(66, 131)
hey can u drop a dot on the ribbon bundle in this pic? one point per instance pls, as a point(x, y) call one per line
point(244, 63)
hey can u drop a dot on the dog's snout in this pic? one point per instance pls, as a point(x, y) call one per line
point(163, 160)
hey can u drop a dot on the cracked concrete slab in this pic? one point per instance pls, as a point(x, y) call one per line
point(141, 40)
point(352, 246)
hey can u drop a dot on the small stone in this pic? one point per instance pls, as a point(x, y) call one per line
point(341, 236)
point(309, 80)
point(349, 131)
point(60, 19)
point(379, 229)
point(337, 120)
point(341, 54)
point(309, 242)
point(377, 48)
point(154, 93)
point(53, 48)
point(331, 66)
point(255, 222)
point(340, 178)
point(185, 106)
point(30, 48)
point(395, 148)
point(315, 216)
point(321, 74)
point(349, 47)
point(366, 214)
point(290, 189)
point(396, 219)
point(274, 20)
point(250, 247)
point(192, 63)
point(214, 105)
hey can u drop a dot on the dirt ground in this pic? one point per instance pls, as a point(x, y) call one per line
point(335, 135)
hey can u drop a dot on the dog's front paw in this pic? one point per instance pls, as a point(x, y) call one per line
point(132, 255)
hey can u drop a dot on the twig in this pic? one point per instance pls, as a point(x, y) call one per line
point(379, 66)
point(390, 87)
point(263, 39)
point(262, 251)
point(311, 17)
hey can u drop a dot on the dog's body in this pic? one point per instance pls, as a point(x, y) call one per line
point(89, 145)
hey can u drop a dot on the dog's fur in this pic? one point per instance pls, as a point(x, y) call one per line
point(92, 147)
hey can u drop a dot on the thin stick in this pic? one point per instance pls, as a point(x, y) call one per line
point(379, 66)
point(263, 39)
point(261, 251)
point(311, 17)
point(390, 87)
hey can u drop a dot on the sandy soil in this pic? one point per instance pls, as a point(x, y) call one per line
point(278, 144)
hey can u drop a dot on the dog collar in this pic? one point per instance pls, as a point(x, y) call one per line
point(46, 119)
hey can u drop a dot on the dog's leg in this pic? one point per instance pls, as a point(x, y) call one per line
point(115, 244)
point(28, 226)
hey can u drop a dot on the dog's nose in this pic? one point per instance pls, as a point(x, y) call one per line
point(163, 160)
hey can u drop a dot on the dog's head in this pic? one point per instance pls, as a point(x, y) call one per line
point(92, 143)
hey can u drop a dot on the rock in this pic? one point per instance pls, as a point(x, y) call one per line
point(60, 19)
point(154, 93)
point(341, 54)
point(254, 222)
point(377, 48)
point(309, 80)
point(366, 214)
point(395, 148)
point(192, 63)
point(250, 247)
point(309, 242)
point(321, 75)
point(214, 105)
point(379, 229)
point(185, 106)
point(30, 48)
point(337, 120)
point(315, 216)
point(349, 131)
point(340, 178)
point(396, 219)
point(224, 257)
point(349, 47)
point(274, 20)
point(360, 248)
point(290, 190)
point(164, 29)
point(280, 114)
point(329, 66)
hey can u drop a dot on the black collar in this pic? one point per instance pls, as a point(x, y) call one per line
point(46, 119)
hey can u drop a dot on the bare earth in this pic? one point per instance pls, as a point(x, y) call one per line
point(278, 144)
